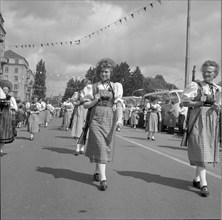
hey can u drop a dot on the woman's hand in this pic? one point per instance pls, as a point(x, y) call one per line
point(97, 96)
point(215, 107)
point(114, 107)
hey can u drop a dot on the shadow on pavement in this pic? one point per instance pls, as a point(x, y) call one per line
point(67, 137)
point(59, 150)
point(173, 147)
point(24, 138)
point(67, 174)
point(154, 178)
point(138, 138)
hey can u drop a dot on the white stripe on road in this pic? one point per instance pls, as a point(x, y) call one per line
point(168, 156)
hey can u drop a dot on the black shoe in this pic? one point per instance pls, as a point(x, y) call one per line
point(196, 184)
point(148, 138)
point(81, 152)
point(103, 185)
point(76, 153)
point(96, 177)
point(204, 191)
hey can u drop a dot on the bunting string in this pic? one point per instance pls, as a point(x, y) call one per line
point(78, 41)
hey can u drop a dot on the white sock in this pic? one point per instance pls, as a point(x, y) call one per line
point(202, 174)
point(102, 168)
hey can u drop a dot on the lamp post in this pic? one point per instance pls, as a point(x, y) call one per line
point(137, 91)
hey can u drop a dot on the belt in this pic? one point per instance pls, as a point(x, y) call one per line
point(104, 104)
point(207, 105)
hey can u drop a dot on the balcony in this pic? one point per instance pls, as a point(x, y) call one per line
point(4, 60)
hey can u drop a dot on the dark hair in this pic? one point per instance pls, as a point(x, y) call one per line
point(104, 63)
point(211, 63)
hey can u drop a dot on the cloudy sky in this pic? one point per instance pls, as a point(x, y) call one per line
point(154, 38)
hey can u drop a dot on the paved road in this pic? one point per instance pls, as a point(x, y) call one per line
point(42, 179)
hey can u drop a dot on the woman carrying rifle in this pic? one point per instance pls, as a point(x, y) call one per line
point(204, 101)
point(104, 99)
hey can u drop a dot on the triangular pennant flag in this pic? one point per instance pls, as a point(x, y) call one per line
point(61, 43)
point(29, 45)
point(47, 44)
point(33, 45)
point(125, 19)
point(151, 5)
point(42, 45)
point(120, 21)
point(16, 46)
point(70, 42)
point(132, 15)
point(144, 8)
point(52, 44)
point(159, 1)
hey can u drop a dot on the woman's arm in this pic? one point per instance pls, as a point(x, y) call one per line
point(193, 103)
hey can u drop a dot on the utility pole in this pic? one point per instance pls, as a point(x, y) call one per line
point(187, 45)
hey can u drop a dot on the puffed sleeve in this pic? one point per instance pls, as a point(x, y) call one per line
point(190, 92)
point(218, 96)
point(87, 93)
point(13, 104)
point(2, 94)
point(118, 93)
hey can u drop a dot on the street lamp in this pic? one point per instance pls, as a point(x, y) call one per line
point(137, 91)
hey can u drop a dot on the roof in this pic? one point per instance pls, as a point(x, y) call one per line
point(12, 54)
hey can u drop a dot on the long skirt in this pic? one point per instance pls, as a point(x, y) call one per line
point(6, 128)
point(152, 124)
point(203, 141)
point(100, 145)
point(47, 116)
point(42, 117)
point(66, 119)
point(78, 121)
point(33, 123)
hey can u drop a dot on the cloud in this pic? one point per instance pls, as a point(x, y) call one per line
point(154, 39)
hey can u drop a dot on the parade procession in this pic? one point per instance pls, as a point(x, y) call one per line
point(99, 121)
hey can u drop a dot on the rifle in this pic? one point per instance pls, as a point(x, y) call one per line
point(82, 139)
point(188, 129)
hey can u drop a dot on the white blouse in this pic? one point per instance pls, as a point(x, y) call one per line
point(190, 92)
point(87, 93)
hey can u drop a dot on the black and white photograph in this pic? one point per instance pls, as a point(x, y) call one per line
point(110, 109)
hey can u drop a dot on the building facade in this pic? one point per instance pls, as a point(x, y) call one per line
point(15, 68)
point(2, 42)
point(17, 71)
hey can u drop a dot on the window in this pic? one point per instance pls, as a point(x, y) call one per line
point(15, 94)
point(16, 69)
point(6, 69)
point(15, 86)
point(6, 77)
point(16, 78)
point(16, 61)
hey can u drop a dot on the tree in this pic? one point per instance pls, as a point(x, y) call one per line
point(91, 74)
point(122, 74)
point(39, 87)
point(73, 86)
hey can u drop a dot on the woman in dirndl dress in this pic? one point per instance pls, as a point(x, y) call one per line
point(154, 114)
point(204, 100)
point(105, 100)
point(6, 123)
point(33, 118)
point(79, 117)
